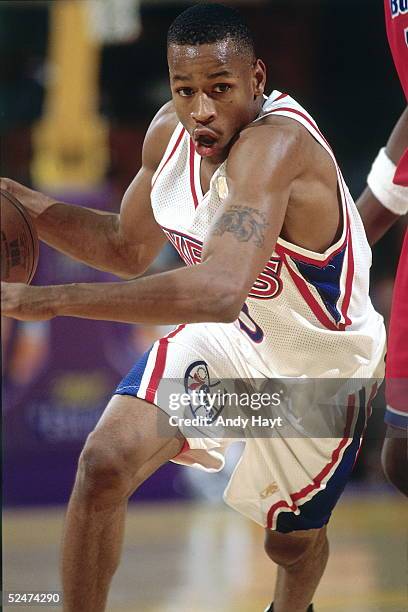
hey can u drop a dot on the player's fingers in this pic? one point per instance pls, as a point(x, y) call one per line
point(10, 300)
point(9, 185)
point(33, 201)
point(24, 303)
point(6, 300)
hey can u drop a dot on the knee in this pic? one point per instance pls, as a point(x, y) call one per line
point(102, 468)
point(287, 550)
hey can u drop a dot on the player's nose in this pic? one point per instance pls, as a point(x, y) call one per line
point(204, 109)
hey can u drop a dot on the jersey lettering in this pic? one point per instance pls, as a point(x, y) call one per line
point(188, 248)
point(268, 285)
point(398, 7)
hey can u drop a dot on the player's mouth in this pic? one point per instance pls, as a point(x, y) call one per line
point(205, 142)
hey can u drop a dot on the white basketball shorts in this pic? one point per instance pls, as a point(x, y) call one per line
point(299, 452)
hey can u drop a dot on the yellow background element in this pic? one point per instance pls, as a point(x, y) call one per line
point(70, 141)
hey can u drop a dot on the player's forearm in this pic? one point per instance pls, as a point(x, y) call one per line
point(376, 218)
point(87, 235)
point(187, 295)
point(379, 215)
point(90, 236)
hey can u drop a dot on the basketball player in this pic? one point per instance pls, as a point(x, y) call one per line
point(247, 189)
point(383, 202)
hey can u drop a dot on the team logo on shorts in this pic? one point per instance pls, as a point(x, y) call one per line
point(269, 490)
point(197, 383)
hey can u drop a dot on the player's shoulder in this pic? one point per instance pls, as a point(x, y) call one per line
point(271, 138)
point(274, 128)
point(158, 135)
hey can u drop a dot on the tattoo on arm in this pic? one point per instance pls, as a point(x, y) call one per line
point(245, 223)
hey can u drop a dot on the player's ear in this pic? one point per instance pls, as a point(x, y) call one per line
point(259, 76)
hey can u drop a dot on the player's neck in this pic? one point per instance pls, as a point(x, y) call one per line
point(259, 102)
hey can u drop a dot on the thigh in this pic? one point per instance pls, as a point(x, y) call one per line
point(191, 359)
point(201, 354)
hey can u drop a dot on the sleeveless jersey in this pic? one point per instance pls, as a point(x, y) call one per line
point(396, 22)
point(397, 356)
point(307, 314)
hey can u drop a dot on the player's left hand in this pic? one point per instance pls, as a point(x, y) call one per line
point(26, 303)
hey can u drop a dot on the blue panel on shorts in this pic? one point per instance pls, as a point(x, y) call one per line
point(130, 384)
point(316, 512)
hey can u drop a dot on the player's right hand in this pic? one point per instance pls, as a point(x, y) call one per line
point(26, 302)
point(33, 201)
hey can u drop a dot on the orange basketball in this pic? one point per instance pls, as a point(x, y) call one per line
point(19, 241)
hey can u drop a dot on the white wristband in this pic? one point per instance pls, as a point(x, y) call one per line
point(392, 196)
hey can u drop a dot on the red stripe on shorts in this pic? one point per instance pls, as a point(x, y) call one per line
point(160, 364)
point(295, 497)
point(185, 448)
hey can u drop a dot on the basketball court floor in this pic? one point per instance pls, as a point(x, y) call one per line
point(195, 558)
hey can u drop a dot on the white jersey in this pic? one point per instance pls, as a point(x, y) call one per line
point(308, 314)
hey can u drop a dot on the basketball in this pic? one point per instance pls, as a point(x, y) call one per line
point(19, 241)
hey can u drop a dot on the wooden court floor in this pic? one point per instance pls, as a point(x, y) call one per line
point(190, 558)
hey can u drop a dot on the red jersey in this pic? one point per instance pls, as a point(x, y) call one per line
point(397, 354)
point(396, 21)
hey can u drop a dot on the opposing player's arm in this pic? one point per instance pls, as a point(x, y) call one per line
point(377, 218)
point(124, 243)
point(261, 172)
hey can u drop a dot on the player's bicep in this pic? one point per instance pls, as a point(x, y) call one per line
point(138, 231)
point(137, 226)
point(242, 238)
point(243, 234)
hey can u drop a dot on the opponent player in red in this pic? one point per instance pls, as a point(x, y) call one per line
point(383, 202)
point(276, 286)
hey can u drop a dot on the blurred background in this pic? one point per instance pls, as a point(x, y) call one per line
point(80, 82)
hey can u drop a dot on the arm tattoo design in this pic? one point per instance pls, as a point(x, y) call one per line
point(245, 223)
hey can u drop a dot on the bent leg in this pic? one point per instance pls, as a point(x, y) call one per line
point(131, 441)
point(301, 557)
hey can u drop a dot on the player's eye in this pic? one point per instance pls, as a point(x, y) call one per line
point(185, 92)
point(222, 87)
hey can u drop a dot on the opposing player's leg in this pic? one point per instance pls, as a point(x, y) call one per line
point(394, 458)
point(131, 441)
point(301, 557)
